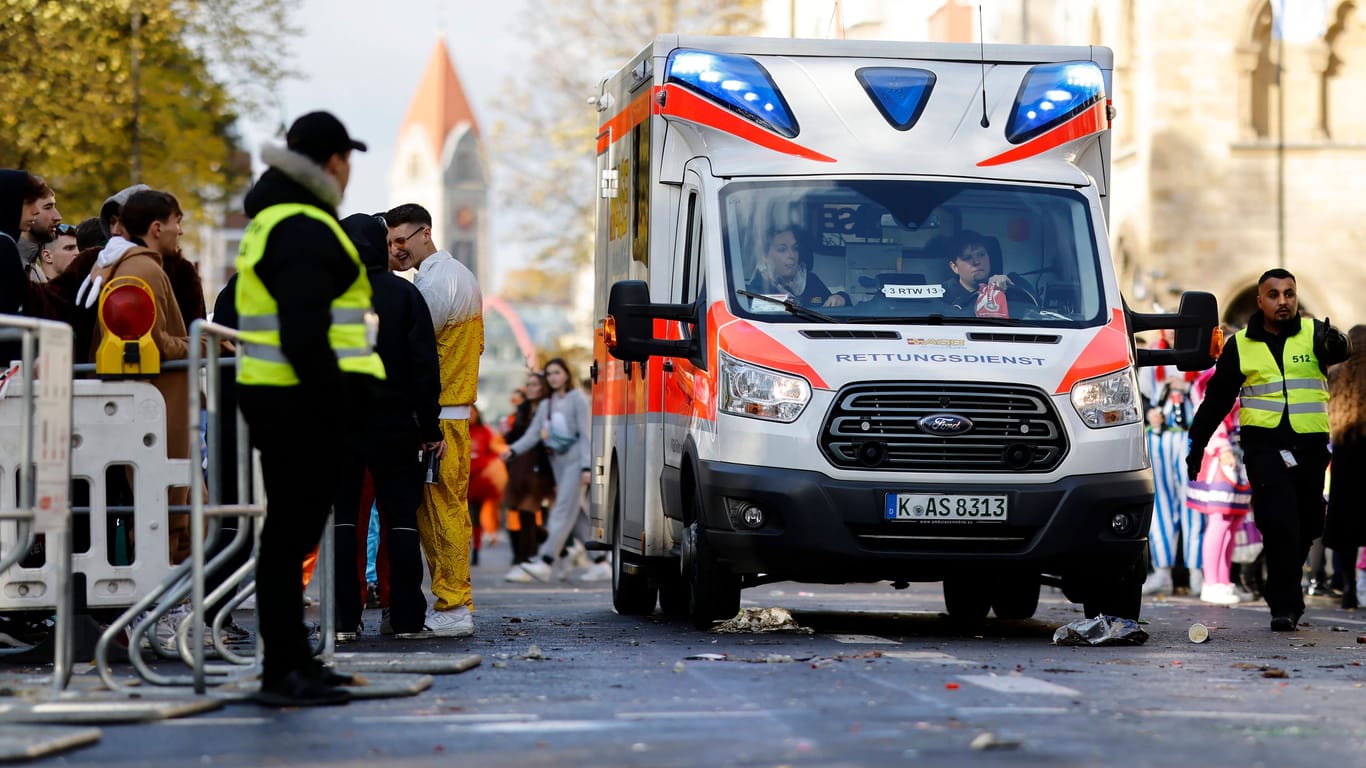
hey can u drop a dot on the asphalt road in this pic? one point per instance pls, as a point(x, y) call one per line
point(875, 677)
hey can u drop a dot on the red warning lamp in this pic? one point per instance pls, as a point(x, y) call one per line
point(127, 313)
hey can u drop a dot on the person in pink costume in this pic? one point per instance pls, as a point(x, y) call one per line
point(1222, 493)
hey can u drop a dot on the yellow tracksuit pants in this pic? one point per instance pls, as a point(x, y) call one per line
point(443, 521)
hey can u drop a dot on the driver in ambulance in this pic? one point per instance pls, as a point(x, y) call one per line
point(974, 291)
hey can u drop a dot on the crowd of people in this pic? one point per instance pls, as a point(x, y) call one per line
point(1240, 454)
point(357, 385)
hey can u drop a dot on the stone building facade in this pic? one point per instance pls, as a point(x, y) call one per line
point(1216, 176)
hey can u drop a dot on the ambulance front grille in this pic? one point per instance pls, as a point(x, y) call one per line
point(877, 426)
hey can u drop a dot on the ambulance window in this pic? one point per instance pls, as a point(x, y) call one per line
point(690, 260)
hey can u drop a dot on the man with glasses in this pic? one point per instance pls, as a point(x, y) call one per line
point(443, 522)
point(41, 218)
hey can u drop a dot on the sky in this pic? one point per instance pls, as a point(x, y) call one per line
point(362, 61)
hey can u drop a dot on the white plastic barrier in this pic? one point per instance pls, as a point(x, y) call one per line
point(35, 455)
point(115, 424)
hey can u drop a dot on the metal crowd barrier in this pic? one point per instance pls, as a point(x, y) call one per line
point(43, 460)
point(206, 513)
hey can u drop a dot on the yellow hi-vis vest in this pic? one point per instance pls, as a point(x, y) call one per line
point(1266, 391)
point(261, 361)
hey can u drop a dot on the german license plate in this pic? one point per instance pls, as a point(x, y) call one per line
point(946, 507)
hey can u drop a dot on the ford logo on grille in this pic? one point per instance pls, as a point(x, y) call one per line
point(945, 424)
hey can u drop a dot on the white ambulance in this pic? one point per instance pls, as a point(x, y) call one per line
point(858, 321)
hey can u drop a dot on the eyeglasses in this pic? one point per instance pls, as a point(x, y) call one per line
point(399, 242)
point(65, 229)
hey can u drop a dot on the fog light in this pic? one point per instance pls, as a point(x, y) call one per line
point(752, 517)
point(1122, 524)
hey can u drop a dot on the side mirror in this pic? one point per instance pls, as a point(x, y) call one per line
point(1198, 337)
point(628, 329)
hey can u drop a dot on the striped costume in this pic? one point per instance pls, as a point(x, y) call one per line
point(1167, 452)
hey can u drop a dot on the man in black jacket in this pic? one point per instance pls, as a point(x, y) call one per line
point(303, 379)
point(1278, 365)
point(14, 187)
point(398, 423)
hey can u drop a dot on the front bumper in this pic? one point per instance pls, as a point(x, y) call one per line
point(822, 530)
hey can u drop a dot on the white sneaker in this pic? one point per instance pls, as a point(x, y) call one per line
point(578, 556)
point(166, 626)
point(1158, 582)
point(457, 622)
point(599, 571)
point(537, 570)
point(1219, 594)
point(518, 575)
point(1243, 594)
point(1361, 584)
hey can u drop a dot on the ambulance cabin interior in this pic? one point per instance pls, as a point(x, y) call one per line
point(863, 236)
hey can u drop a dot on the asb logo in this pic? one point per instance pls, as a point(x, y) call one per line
point(945, 424)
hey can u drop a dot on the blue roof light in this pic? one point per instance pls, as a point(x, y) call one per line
point(899, 93)
point(738, 83)
point(1052, 94)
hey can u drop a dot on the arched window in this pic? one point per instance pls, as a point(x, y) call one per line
point(1345, 74)
point(1257, 77)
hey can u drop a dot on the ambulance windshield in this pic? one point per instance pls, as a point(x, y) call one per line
point(912, 252)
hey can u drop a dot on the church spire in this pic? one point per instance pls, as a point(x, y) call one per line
point(439, 104)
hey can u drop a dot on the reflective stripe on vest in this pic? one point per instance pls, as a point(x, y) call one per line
point(260, 359)
point(1266, 394)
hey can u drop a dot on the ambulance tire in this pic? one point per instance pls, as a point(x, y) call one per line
point(1116, 590)
point(966, 599)
point(713, 593)
point(633, 594)
point(1015, 596)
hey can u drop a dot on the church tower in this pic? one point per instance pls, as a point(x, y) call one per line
point(439, 163)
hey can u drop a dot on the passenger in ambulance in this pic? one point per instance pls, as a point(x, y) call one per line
point(974, 290)
point(780, 271)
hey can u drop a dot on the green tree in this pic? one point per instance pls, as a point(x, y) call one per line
point(102, 93)
point(547, 164)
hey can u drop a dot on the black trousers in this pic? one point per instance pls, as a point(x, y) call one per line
point(1289, 509)
point(298, 441)
point(394, 460)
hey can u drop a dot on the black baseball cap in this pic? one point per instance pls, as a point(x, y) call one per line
point(320, 135)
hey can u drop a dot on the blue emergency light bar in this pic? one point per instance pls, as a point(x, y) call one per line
point(738, 83)
point(899, 93)
point(1052, 94)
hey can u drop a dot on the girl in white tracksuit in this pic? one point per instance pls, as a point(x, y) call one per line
point(562, 425)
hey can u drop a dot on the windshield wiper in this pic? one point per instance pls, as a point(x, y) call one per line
point(790, 305)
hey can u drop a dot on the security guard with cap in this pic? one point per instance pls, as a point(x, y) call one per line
point(305, 366)
point(1278, 365)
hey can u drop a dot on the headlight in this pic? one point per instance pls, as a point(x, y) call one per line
point(748, 390)
point(1107, 401)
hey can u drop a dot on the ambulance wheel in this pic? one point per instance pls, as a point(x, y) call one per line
point(1116, 590)
point(713, 594)
point(1016, 596)
point(966, 599)
point(633, 594)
